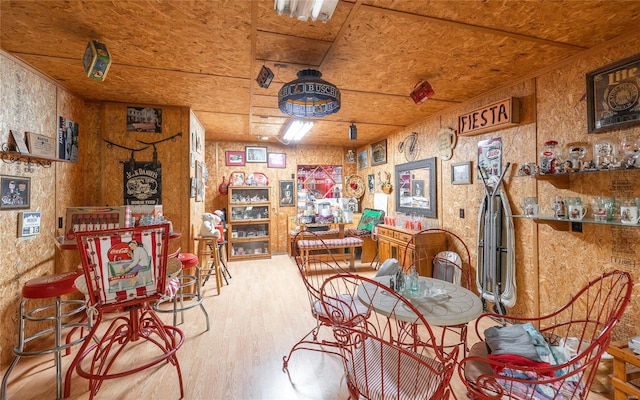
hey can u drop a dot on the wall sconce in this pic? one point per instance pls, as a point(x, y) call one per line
point(353, 132)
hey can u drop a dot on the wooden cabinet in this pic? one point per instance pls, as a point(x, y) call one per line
point(248, 222)
point(392, 243)
point(626, 367)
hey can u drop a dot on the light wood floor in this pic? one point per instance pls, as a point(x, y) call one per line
point(254, 323)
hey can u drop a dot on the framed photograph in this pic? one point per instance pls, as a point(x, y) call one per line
point(287, 193)
point(371, 182)
point(277, 160)
point(255, 154)
point(613, 96)
point(363, 159)
point(144, 119)
point(192, 187)
point(200, 181)
point(235, 158)
point(379, 152)
point(16, 192)
point(417, 188)
point(461, 173)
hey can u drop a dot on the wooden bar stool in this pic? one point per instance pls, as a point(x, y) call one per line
point(56, 313)
point(209, 257)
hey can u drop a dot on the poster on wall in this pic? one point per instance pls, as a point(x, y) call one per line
point(142, 183)
point(67, 139)
point(144, 119)
point(490, 157)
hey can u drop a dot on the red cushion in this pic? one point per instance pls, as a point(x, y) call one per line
point(50, 285)
point(188, 260)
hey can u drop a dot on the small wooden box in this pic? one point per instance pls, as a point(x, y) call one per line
point(96, 60)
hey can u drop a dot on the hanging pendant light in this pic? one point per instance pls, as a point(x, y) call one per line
point(309, 96)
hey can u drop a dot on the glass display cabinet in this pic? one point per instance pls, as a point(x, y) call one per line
point(248, 222)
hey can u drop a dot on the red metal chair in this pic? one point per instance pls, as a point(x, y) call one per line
point(125, 271)
point(314, 269)
point(451, 262)
point(588, 317)
point(391, 352)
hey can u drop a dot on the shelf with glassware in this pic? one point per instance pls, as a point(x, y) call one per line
point(248, 223)
point(564, 224)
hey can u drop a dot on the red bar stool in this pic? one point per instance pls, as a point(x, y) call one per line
point(58, 312)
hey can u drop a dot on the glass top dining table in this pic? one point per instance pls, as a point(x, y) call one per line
point(442, 304)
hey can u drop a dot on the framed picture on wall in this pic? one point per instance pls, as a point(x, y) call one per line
point(235, 158)
point(144, 119)
point(16, 192)
point(255, 154)
point(613, 96)
point(379, 152)
point(363, 159)
point(200, 181)
point(461, 173)
point(277, 160)
point(287, 193)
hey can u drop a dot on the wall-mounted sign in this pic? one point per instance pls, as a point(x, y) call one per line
point(143, 184)
point(500, 115)
point(447, 141)
point(28, 224)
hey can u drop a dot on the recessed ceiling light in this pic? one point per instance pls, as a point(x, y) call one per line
point(264, 137)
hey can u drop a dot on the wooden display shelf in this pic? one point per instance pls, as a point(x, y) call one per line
point(15, 156)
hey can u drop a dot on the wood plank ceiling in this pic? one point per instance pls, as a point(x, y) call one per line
point(207, 54)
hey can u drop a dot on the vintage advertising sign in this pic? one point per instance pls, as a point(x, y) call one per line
point(142, 184)
point(28, 224)
point(490, 157)
point(613, 96)
point(500, 115)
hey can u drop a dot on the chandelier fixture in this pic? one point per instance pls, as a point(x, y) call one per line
point(304, 10)
point(309, 96)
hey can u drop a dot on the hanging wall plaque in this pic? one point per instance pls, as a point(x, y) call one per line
point(142, 183)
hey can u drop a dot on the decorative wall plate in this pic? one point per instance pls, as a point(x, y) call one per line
point(354, 186)
point(257, 179)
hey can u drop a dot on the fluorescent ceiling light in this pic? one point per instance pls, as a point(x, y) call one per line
point(306, 9)
point(297, 129)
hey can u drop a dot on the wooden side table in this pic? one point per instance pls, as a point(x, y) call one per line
point(623, 355)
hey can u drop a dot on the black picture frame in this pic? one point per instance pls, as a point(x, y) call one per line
point(613, 96)
point(255, 154)
point(379, 152)
point(287, 193)
point(16, 192)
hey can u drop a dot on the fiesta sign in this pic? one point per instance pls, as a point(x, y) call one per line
point(496, 116)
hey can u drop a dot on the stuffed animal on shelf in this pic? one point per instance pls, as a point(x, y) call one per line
point(209, 222)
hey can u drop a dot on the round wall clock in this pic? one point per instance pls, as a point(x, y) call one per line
point(354, 186)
